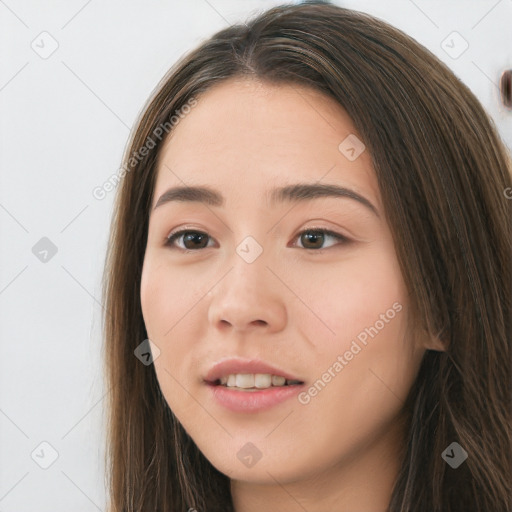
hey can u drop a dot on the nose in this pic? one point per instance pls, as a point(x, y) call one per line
point(248, 297)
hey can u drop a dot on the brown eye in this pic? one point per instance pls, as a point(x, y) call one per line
point(191, 239)
point(315, 238)
point(312, 239)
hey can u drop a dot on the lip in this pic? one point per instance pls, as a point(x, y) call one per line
point(249, 401)
point(237, 365)
point(253, 401)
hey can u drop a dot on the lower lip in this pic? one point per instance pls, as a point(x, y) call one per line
point(253, 401)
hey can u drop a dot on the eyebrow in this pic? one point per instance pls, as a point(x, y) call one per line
point(289, 193)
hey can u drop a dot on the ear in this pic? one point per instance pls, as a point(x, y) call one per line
point(433, 342)
point(436, 345)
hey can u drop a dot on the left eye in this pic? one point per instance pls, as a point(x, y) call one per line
point(314, 236)
point(310, 239)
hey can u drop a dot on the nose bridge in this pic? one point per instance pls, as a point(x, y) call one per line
point(248, 277)
point(245, 296)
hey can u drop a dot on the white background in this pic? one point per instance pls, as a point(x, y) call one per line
point(64, 122)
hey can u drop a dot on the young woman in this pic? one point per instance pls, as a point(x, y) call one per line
point(308, 284)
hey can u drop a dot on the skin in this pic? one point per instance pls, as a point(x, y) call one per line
point(296, 308)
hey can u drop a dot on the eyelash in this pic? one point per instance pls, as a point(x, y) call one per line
point(169, 240)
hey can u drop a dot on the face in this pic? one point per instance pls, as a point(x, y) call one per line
point(244, 287)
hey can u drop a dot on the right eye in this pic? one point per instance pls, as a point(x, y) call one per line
point(192, 240)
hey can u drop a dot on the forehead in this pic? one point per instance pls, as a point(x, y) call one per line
point(245, 135)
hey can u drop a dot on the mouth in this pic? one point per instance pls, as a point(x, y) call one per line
point(251, 382)
point(249, 375)
point(248, 386)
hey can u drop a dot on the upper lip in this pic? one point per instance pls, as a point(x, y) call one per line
point(236, 365)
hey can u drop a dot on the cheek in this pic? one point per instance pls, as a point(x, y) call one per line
point(358, 334)
point(156, 298)
point(164, 302)
point(167, 295)
point(340, 300)
point(170, 303)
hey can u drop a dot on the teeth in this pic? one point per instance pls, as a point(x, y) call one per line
point(244, 380)
point(277, 380)
point(255, 381)
point(262, 380)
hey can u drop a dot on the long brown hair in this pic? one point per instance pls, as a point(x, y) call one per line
point(442, 170)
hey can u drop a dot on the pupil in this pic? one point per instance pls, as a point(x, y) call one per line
point(312, 236)
point(193, 237)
